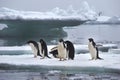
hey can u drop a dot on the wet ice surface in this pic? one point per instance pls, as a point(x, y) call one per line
point(56, 75)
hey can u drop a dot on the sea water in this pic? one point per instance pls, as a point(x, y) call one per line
point(56, 75)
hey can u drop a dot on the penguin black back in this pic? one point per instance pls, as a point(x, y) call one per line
point(54, 52)
point(70, 49)
point(94, 45)
point(35, 45)
point(44, 47)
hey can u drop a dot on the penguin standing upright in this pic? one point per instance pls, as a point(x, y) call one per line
point(34, 47)
point(70, 50)
point(93, 49)
point(43, 48)
point(62, 53)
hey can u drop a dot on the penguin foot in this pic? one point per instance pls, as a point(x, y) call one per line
point(91, 59)
point(42, 58)
point(35, 56)
point(62, 59)
point(100, 58)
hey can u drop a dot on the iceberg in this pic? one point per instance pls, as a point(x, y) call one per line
point(105, 20)
point(84, 13)
point(3, 26)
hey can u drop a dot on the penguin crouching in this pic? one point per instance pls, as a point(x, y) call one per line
point(54, 52)
point(34, 47)
point(70, 50)
point(93, 49)
point(43, 49)
point(62, 52)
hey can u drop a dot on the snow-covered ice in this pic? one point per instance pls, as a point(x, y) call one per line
point(81, 60)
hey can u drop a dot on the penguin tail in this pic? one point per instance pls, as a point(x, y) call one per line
point(48, 57)
point(38, 53)
point(100, 58)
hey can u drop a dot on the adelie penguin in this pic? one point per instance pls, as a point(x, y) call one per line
point(34, 47)
point(43, 48)
point(54, 52)
point(70, 49)
point(93, 50)
point(62, 52)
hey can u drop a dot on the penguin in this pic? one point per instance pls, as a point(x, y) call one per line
point(62, 52)
point(70, 50)
point(34, 47)
point(43, 48)
point(54, 52)
point(93, 50)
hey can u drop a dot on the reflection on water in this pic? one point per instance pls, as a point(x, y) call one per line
point(19, 75)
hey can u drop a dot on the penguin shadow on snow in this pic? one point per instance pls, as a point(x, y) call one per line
point(93, 49)
point(39, 48)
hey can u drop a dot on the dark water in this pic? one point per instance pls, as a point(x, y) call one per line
point(14, 72)
point(20, 31)
point(56, 75)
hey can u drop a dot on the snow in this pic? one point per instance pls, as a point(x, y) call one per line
point(103, 18)
point(111, 59)
point(81, 60)
point(84, 13)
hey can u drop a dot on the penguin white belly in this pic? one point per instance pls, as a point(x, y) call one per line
point(92, 50)
point(61, 51)
point(33, 49)
point(40, 49)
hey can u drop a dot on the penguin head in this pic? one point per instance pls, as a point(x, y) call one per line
point(41, 41)
point(90, 39)
point(30, 41)
point(61, 40)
